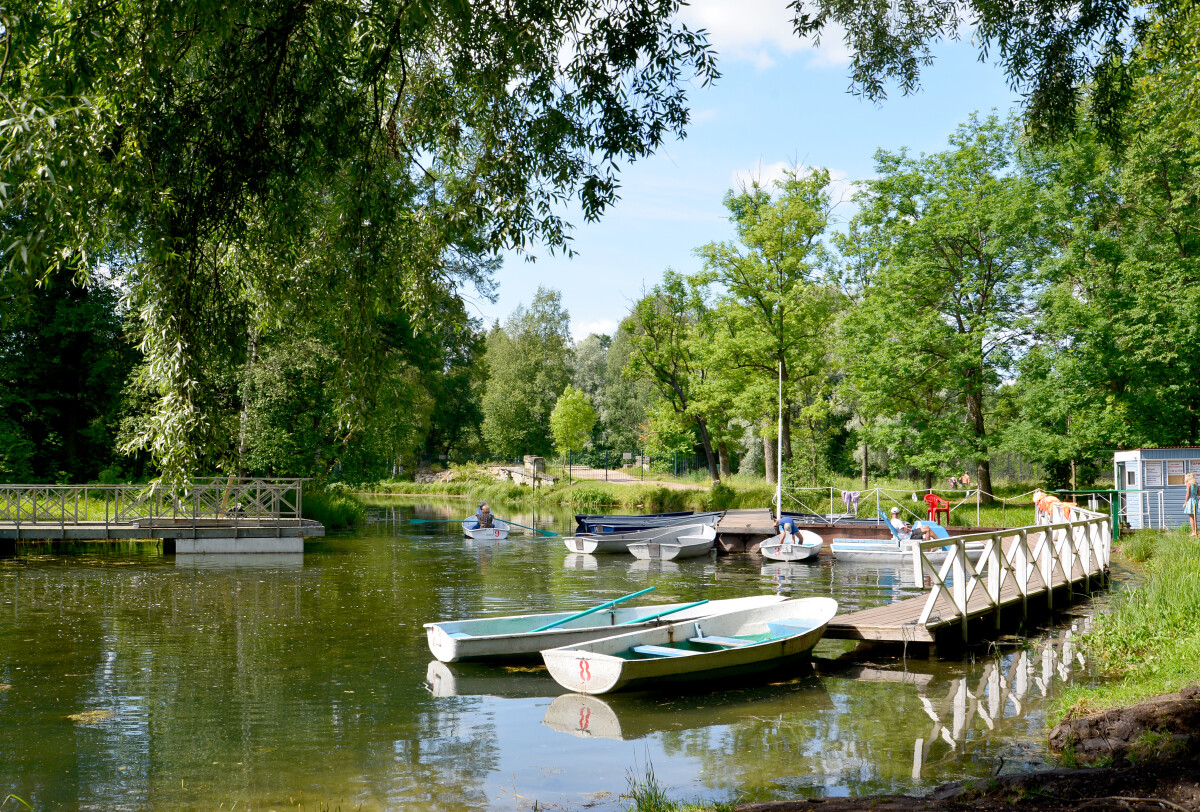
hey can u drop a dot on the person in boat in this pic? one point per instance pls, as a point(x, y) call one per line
point(483, 515)
point(787, 531)
point(906, 531)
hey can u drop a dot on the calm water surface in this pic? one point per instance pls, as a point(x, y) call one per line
point(135, 681)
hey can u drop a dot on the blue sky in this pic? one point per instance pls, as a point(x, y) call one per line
point(779, 102)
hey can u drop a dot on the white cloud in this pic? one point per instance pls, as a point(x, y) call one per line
point(583, 329)
point(758, 30)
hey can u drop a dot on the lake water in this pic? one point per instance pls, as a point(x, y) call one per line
point(134, 681)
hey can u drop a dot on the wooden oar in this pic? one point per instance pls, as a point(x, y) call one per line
point(527, 527)
point(599, 608)
point(648, 618)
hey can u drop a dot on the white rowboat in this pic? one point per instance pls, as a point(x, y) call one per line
point(738, 642)
point(471, 529)
point(514, 636)
point(619, 542)
point(686, 547)
point(804, 545)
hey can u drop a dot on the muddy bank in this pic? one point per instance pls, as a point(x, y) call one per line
point(1153, 747)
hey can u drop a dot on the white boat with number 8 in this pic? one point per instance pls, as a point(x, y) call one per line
point(746, 641)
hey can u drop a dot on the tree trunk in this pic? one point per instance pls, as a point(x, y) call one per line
point(243, 418)
point(866, 453)
point(1074, 476)
point(787, 432)
point(769, 445)
point(983, 473)
point(723, 458)
point(709, 457)
point(983, 469)
point(928, 481)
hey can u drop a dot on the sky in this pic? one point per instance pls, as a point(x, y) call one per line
point(780, 102)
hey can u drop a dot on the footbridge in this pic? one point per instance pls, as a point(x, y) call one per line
point(212, 515)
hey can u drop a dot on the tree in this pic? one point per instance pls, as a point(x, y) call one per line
point(64, 358)
point(1050, 49)
point(572, 420)
point(529, 364)
point(266, 164)
point(948, 244)
point(661, 330)
point(773, 310)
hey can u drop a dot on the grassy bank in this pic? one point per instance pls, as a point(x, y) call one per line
point(1150, 643)
point(333, 506)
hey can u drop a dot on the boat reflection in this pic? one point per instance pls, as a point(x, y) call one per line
point(633, 717)
point(641, 566)
point(580, 561)
point(506, 682)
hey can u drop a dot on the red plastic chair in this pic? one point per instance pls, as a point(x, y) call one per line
point(936, 505)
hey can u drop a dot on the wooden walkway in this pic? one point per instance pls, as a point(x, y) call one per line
point(899, 622)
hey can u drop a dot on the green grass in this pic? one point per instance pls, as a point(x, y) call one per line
point(648, 795)
point(1150, 643)
point(333, 507)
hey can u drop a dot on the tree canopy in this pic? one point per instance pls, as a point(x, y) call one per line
point(255, 164)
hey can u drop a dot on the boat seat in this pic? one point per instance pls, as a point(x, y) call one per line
point(661, 651)
point(720, 641)
point(458, 635)
point(787, 627)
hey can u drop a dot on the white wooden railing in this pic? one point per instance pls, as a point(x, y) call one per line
point(1052, 547)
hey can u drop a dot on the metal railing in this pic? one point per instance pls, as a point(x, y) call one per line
point(228, 500)
point(1056, 549)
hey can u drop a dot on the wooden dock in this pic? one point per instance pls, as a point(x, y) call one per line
point(1010, 582)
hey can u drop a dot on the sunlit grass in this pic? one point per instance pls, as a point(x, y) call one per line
point(1149, 643)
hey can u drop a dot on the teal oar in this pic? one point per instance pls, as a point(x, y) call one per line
point(599, 608)
point(527, 527)
point(648, 618)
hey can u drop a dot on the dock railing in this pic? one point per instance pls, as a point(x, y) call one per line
point(1052, 547)
point(228, 500)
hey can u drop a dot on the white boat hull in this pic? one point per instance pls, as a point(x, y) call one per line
point(498, 530)
point(878, 551)
point(686, 547)
point(594, 543)
point(736, 642)
point(513, 636)
point(804, 545)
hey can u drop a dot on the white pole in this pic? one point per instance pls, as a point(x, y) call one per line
point(779, 453)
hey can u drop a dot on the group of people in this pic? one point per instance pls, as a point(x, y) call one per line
point(964, 480)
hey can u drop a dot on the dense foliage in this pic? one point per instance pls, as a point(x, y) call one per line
point(238, 236)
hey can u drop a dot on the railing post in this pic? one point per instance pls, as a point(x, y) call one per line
point(995, 571)
point(959, 573)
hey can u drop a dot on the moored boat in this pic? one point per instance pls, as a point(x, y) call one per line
point(803, 545)
point(471, 529)
point(749, 640)
point(618, 523)
point(518, 636)
point(619, 542)
point(686, 547)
